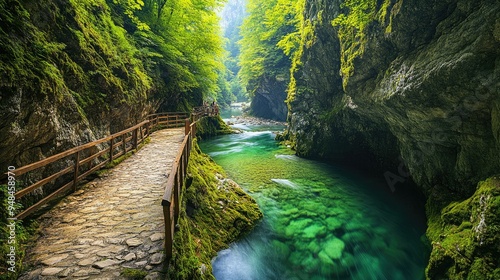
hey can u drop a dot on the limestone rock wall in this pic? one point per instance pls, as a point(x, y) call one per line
point(427, 90)
point(423, 103)
point(63, 83)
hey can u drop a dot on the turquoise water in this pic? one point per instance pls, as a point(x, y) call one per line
point(320, 221)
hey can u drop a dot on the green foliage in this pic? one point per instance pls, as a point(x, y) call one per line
point(465, 236)
point(353, 27)
point(24, 230)
point(215, 213)
point(270, 35)
point(231, 19)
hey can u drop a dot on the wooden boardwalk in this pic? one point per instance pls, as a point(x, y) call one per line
point(113, 223)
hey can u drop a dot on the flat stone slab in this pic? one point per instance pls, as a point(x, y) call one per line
point(111, 223)
point(51, 271)
point(134, 242)
point(54, 260)
point(105, 263)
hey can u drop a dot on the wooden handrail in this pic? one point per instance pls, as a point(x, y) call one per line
point(177, 176)
point(119, 144)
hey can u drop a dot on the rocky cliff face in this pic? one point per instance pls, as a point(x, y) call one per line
point(422, 101)
point(67, 79)
point(269, 99)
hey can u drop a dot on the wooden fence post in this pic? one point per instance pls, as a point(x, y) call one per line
point(134, 138)
point(77, 166)
point(111, 150)
point(176, 197)
point(169, 233)
point(187, 127)
point(124, 143)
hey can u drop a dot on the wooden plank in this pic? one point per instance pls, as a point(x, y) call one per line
point(96, 155)
point(40, 203)
point(42, 182)
point(71, 151)
point(95, 168)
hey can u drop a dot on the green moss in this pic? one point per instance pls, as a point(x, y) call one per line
point(465, 236)
point(212, 126)
point(132, 273)
point(216, 212)
point(353, 27)
point(24, 232)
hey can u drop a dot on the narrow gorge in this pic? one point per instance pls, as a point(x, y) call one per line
point(383, 104)
point(409, 90)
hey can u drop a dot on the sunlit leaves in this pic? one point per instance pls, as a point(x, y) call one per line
point(270, 34)
point(181, 39)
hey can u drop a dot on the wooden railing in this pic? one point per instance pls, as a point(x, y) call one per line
point(177, 176)
point(91, 157)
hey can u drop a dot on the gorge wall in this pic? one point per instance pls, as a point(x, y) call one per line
point(58, 72)
point(76, 71)
point(413, 90)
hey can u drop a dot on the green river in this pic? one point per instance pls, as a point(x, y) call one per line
point(320, 221)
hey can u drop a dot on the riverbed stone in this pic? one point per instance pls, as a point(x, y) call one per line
point(314, 230)
point(334, 248)
point(333, 223)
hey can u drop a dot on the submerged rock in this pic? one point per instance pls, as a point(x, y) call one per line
point(334, 248)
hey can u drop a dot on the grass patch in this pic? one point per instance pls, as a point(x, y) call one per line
point(132, 273)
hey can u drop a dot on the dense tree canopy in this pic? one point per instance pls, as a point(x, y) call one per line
point(270, 36)
point(231, 20)
point(182, 41)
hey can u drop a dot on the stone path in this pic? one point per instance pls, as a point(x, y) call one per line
point(113, 223)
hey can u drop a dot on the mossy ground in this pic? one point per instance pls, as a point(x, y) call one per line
point(216, 212)
point(465, 236)
point(131, 273)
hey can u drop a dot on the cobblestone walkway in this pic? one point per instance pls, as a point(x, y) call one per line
point(113, 223)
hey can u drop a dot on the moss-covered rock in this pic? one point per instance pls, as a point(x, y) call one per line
point(465, 236)
point(216, 212)
point(212, 126)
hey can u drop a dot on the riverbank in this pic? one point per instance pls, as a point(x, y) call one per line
point(215, 213)
point(249, 120)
